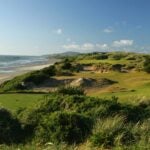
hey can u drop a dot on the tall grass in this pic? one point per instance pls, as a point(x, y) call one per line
point(115, 133)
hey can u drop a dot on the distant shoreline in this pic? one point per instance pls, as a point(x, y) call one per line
point(25, 69)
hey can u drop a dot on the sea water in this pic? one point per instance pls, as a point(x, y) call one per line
point(8, 64)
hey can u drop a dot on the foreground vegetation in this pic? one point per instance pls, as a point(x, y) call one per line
point(71, 117)
point(87, 101)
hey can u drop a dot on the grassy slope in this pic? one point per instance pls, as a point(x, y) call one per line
point(88, 61)
point(130, 86)
point(15, 101)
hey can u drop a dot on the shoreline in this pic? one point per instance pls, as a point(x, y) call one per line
point(25, 69)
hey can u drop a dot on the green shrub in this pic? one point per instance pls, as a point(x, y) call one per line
point(103, 66)
point(118, 55)
point(107, 131)
point(67, 67)
point(21, 82)
point(130, 66)
point(10, 128)
point(64, 127)
point(66, 64)
point(71, 90)
point(14, 84)
point(50, 71)
point(117, 67)
point(147, 64)
point(61, 72)
point(135, 113)
point(36, 77)
point(99, 56)
point(60, 117)
point(99, 108)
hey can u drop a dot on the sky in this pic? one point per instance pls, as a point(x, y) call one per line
point(37, 27)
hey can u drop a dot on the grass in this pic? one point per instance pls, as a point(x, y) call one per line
point(134, 85)
point(130, 85)
point(110, 61)
point(17, 100)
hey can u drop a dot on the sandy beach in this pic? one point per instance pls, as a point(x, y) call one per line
point(4, 78)
point(25, 69)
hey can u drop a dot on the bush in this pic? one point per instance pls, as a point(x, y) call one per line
point(135, 113)
point(51, 70)
point(100, 56)
point(107, 131)
point(10, 128)
point(117, 67)
point(71, 90)
point(36, 77)
point(61, 72)
point(64, 127)
point(21, 82)
point(66, 64)
point(63, 117)
point(13, 85)
point(147, 64)
point(99, 108)
point(118, 55)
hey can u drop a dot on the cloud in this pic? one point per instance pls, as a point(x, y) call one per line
point(115, 45)
point(59, 31)
point(71, 47)
point(87, 46)
point(102, 46)
point(122, 43)
point(108, 30)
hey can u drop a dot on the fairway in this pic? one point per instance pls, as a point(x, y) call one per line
point(130, 87)
point(16, 101)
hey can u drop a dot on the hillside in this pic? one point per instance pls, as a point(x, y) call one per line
point(85, 101)
point(120, 68)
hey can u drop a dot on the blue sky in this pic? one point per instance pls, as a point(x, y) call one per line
point(36, 27)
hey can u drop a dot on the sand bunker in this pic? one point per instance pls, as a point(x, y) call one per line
point(89, 82)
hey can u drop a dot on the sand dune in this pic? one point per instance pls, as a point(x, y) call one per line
point(22, 70)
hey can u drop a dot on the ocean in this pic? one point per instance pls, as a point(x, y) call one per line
point(8, 64)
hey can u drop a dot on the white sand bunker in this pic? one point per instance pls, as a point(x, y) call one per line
point(83, 82)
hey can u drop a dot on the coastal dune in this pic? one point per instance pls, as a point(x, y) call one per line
point(4, 78)
point(24, 69)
